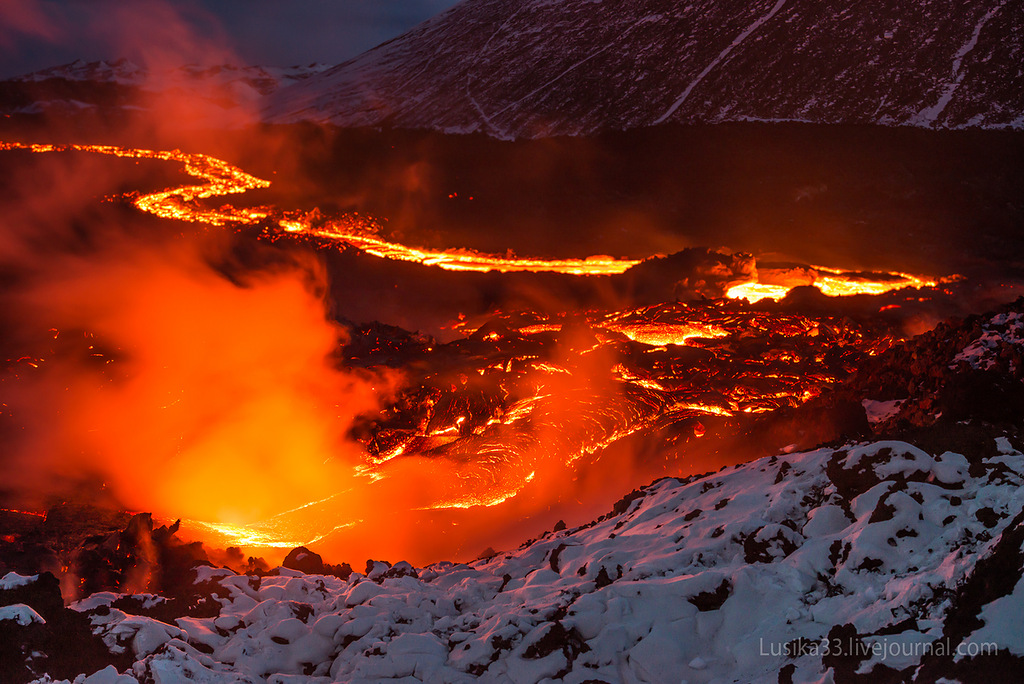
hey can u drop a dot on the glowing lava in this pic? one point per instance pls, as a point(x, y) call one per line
point(485, 418)
point(833, 283)
point(221, 178)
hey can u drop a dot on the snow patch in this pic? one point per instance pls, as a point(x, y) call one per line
point(877, 411)
point(21, 614)
point(928, 116)
point(13, 580)
point(1000, 330)
point(718, 60)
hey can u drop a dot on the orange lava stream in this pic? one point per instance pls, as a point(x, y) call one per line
point(179, 203)
point(36, 514)
point(755, 292)
point(833, 283)
point(221, 178)
point(576, 421)
point(454, 260)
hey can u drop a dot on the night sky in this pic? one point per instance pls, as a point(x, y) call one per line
point(36, 34)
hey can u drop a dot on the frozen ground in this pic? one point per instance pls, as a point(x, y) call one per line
point(852, 560)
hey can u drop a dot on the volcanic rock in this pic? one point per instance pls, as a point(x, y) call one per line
point(304, 560)
point(38, 634)
point(969, 370)
point(535, 68)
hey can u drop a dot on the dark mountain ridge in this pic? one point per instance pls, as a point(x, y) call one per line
point(535, 68)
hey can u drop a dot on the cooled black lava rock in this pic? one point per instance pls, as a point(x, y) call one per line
point(61, 645)
point(304, 560)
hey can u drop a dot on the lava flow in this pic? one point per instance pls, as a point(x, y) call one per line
point(519, 417)
point(833, 283)
point(221, 178)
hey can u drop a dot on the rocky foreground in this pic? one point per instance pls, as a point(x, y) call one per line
point(876, 560)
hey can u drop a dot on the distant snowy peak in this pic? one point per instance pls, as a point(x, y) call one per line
point(220, 95)
point(532, 68)
point(119, 71)
point(126, 73)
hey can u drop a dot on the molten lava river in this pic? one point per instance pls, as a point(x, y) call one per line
point(373, 441)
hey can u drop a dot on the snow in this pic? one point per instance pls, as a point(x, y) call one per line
point(126, 73)
point(877, 411)
point(225, 95)
point(539, 68)
point(1002, 619)
point(13, 580)
point(718, 60)
point(558, 77)
point(929, 115)
point(21, 614)
point(703, 580)
point(1000, 330)
point(109, 675)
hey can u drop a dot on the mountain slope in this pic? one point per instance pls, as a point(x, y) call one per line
point(533, 68)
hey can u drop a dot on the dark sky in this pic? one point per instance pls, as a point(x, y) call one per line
point(35, 34)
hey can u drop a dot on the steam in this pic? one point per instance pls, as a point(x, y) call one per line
point(23, 18)
point(195, 396)
point(192, 386)
point(176, 383)
point(158, 375)
point(157, 34)
point(172, 380)
point(179, 46)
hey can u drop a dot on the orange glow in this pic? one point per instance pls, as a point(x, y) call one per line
point(222, 178)
point(36, 514)
point(227, 410)
point(833, 283)
point(217, 384)
point(657, 334)
point(755, 292)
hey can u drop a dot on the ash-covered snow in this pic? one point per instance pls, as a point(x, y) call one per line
point(970, 370)
point(732, 576)
point(126, 73)
point(121, 71)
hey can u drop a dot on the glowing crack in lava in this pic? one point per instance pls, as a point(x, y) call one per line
point(509, 419)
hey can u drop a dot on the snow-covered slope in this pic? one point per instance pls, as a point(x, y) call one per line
point(873, 558)
point(262, 79)
point(532, 68)
point(121, 71)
